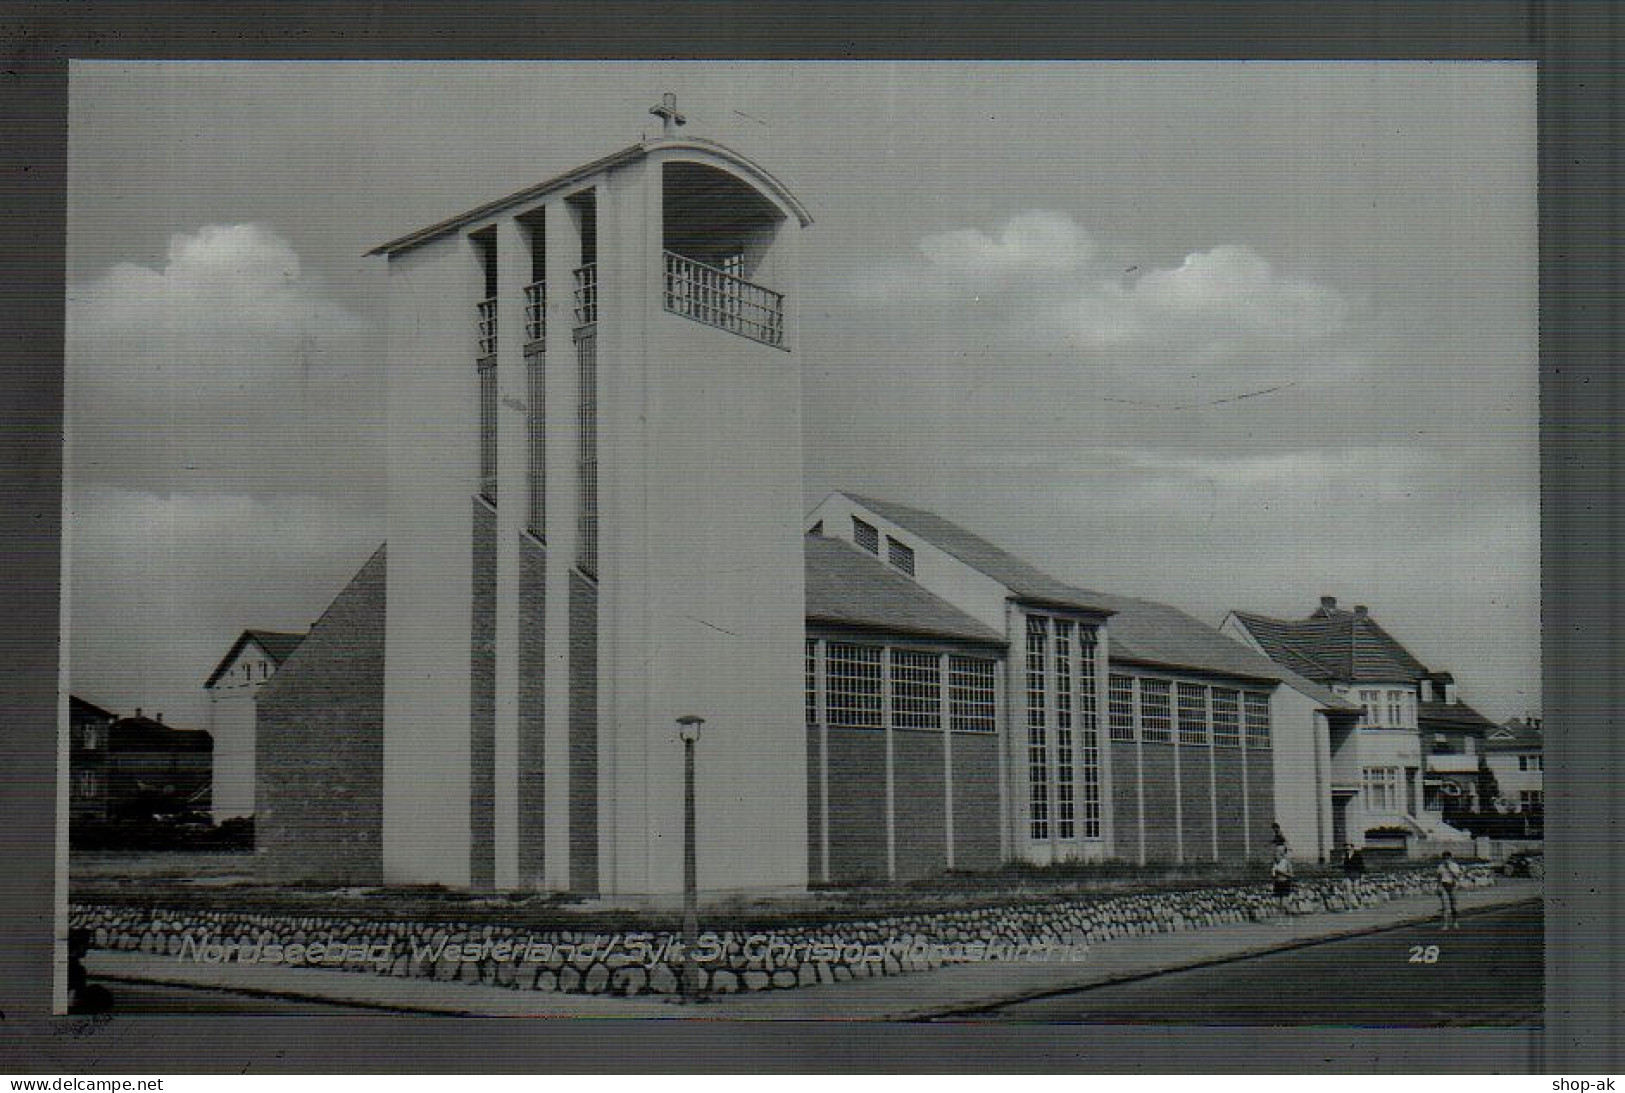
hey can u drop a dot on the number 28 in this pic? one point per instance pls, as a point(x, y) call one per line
point(1424, 954)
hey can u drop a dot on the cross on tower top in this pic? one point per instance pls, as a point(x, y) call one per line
point(667, 113)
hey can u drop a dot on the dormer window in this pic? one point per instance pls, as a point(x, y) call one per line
point(900, 555)
point(866, 535)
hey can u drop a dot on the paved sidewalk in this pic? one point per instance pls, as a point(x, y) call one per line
point(898, 998)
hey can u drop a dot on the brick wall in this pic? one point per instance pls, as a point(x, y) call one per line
point(1227, 766)
point(976, 800)
point(583, 734)
point(482, 700)
point(857, 805)
point(1196, 798)
point(921, 803)
point(1124, 801)
point(1261, 798)
point(815, 806)
point(532, 680)
point(319, 740)
point(1160, 842)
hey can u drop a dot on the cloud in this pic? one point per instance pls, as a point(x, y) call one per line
point(225, 421)
point(1030, 243)
point(161, 582)
point(227, 366)
point(1220, 321)
point(1229, 288)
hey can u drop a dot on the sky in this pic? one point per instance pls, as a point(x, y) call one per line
point(1219, 334)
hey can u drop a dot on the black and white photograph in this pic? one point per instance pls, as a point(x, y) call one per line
point(958, 542)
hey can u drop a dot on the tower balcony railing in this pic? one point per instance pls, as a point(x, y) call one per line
point(717, 298)
point(487, 327)
point(586, 296)
point(535, 311)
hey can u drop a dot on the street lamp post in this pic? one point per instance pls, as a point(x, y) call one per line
point(688, 727)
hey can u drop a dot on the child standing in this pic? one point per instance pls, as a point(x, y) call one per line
point(1281, 879)
point(1449, 877)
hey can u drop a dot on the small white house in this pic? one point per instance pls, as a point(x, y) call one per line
point(252, 660)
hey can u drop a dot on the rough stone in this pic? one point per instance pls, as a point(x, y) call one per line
point(597, 979)
point(630, 979)
point(724, 981)
point(662, 980)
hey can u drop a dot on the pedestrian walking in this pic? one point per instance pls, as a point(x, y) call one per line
point(1353, 870)
point(1449, 873)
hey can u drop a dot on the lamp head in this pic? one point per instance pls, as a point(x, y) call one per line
point(688, 727)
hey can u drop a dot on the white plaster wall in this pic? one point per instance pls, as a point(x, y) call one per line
point(433, 453)
point(702, 595)
point(1509, 779)
point(940, 573)
point(231, 723)
point(1299, 731)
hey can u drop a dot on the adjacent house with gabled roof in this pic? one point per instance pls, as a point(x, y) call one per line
point(233, 686)
point(1515, 753)
point(1411, 752)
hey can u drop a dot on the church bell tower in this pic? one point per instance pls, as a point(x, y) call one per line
point(594, 528)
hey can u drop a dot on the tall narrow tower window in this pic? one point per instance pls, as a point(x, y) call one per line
point(485, 366)
point(536, 376)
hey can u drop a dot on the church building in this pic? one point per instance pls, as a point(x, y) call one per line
point(595, 527)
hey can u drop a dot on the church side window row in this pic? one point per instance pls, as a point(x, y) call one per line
point(863, 684)
point(1063, 730)
point(916, 690)
point(1151, 709)
point(972, 694)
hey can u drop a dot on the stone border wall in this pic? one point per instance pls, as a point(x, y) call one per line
point(576, 961)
